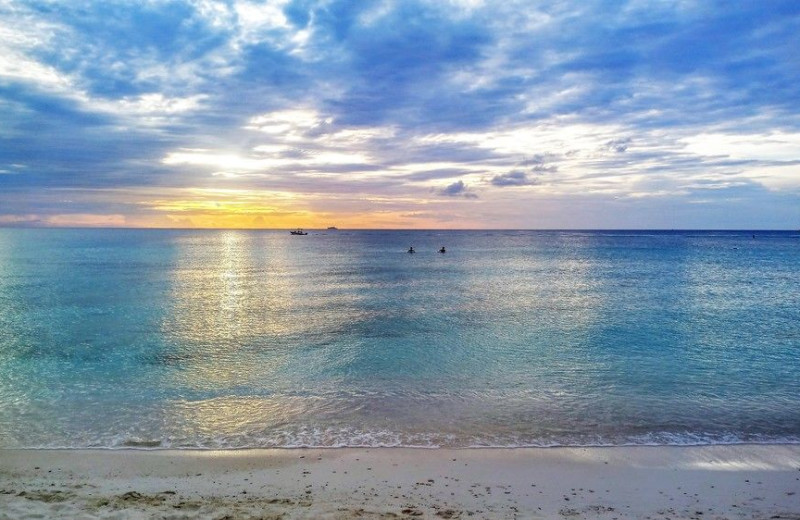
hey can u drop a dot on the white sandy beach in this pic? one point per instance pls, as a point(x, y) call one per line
point(731, 482)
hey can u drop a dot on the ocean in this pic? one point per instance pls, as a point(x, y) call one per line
point(247, 339)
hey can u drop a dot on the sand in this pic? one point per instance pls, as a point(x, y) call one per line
point(732, 482)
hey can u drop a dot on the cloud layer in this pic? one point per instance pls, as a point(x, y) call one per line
point(463, 113)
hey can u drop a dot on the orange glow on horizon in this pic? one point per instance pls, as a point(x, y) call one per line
point(205, 208)
point(291, 220)
point(217, 220)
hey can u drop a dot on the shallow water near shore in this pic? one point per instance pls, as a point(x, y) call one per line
point(239, 339)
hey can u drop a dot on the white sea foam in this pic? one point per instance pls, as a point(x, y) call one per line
point(322, 438)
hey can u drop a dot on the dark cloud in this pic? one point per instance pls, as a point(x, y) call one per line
point(457, 189)
point(514, 178)
point(541, 168)
point(527, 171)
point(619, 145)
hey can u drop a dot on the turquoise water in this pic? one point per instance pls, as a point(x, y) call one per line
point(234, 339)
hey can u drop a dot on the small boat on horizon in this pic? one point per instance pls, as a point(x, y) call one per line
point(332, 228)
point(298, 231)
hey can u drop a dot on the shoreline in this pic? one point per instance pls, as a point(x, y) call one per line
point(136, 448)
point(676, 482)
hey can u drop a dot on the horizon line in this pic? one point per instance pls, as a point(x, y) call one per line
point(142, 228)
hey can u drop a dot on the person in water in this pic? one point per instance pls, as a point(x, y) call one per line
point(442, 250)
point(411, 249)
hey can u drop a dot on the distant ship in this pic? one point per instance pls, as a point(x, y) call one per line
point(333, 227)
point(298, 231)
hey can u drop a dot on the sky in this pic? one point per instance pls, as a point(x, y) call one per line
point(589, 114)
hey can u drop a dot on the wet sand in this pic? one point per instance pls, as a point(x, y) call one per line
point(730, 482)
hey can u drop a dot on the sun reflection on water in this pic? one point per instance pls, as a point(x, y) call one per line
point(231, 298)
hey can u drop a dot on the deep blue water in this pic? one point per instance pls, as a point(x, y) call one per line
point(113, 338)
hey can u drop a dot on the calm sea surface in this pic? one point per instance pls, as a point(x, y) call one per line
point(233, 339)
